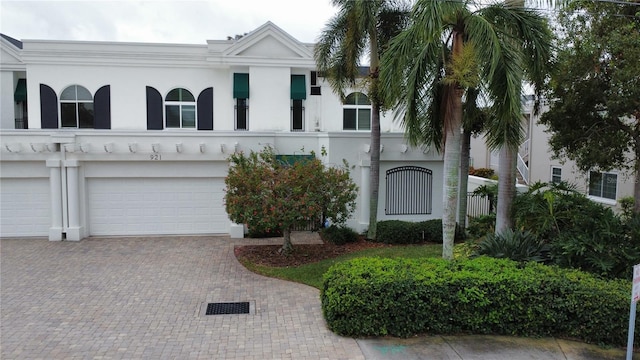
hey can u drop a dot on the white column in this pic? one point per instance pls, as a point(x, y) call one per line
point(55, 199)
point(365, 194)
point(74, 230)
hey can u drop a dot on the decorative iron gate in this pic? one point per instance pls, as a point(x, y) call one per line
point(408, 191)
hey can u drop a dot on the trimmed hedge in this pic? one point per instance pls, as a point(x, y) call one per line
point(339, 235)
point(404, 297)
point(405, 232)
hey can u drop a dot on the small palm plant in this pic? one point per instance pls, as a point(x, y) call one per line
point(521, 246)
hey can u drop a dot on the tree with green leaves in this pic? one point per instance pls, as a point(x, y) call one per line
point(268, 193)
point(449, 47)
point(361, 25)
point(594, 114)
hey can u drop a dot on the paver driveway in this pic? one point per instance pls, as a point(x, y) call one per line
point(142, 298)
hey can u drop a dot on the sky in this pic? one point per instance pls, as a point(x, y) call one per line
point(159, 21)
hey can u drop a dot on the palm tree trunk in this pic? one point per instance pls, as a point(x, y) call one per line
point(451, 175)
point(375, 171)
point(452, 127)
point(374, 179)
point(464, 178)
point(506, 188)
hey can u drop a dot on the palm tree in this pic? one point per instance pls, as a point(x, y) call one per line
point(361, 25)
point(473, 120)
point(448, 47)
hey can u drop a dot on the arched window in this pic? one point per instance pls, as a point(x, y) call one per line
point(180, 109)
point(356, 112)
point(76, 108)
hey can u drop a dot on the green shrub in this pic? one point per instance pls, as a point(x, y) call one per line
point(582, 234)
point(339, 235)
point(405, 232)
point(482, 225)
point(255, 232)
point(515, 245)
point(483, 172)
point(404, 297)
point(626, 206)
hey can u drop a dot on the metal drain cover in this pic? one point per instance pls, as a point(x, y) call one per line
point(227, 308)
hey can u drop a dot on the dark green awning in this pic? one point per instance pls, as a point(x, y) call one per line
point(240, 86)
point(292, 159)
point(298, 87)
point(21, 91)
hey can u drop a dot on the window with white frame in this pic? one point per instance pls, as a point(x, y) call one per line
point(76, 108)
point(556, 174)
point(603, 184)
point(180, 109)
point(356, 112)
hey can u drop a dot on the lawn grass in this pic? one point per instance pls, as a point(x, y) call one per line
point(311, 274)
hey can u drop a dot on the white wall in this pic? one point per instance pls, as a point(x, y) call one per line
point(7, 88)
point(269, 98)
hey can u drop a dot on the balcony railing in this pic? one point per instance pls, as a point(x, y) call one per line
point(22, 123)
point(523, 169)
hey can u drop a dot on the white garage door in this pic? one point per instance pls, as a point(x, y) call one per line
point(138, 206)
point(24, 207)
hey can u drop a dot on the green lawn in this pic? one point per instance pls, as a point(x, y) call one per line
point(311, 274)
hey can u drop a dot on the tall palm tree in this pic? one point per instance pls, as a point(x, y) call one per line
point(451, 46)
point(361, 25)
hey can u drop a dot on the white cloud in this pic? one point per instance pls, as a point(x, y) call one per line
point(176, 21)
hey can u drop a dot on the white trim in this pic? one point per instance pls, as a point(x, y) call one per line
point(602, 200)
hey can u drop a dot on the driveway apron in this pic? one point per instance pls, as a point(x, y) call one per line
point(145, 298)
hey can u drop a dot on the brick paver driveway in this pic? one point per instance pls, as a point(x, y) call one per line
point(143, 298)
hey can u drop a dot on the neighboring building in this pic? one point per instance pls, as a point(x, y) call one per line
point(536, 163)
point(105, 138)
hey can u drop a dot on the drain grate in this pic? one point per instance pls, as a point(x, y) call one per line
point(227, 308)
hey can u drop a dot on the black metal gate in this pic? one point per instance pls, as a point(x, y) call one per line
point(408, 191)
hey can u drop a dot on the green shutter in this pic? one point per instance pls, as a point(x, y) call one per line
point(240, 86)
point(298, 87)
point(21, 91)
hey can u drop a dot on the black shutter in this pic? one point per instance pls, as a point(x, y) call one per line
point(205, 109)
point(154, 109)
point(48, 107)
point(102, 107)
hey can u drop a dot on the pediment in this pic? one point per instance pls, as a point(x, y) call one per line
point(8, 54)
point(269, 41)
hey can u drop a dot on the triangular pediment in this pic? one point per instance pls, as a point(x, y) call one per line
point(269, 41)
point(9, 53)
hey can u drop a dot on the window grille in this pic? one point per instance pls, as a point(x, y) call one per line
point(408, 191)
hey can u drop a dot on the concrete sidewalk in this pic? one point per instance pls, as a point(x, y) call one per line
point(478, 347)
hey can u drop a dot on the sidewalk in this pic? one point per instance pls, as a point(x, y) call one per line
point(481, 347)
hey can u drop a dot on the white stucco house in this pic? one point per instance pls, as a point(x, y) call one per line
point(107, 139)
point(537, 164)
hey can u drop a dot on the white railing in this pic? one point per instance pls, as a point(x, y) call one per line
point(524, 148)
point(523, 169)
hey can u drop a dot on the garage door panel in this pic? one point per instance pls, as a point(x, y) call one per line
point(157, 206)
point(24, 207)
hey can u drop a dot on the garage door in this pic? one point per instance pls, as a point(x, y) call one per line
point(24, 207)
point(137, 206)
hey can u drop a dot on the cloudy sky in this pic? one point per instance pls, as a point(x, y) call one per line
point(163, 21)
